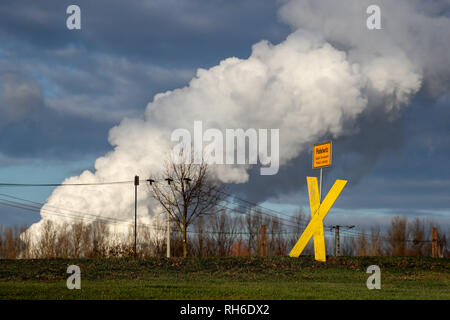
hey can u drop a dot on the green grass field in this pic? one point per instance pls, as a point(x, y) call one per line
point(227, 278)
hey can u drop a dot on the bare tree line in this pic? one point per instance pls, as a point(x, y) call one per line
point(222, 234)
point(403, 238)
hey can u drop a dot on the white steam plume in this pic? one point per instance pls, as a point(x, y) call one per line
point(304, 86)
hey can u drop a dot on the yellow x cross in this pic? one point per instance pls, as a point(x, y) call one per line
point(318, 213)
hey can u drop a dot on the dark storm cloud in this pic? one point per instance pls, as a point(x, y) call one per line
point(30, 129)
point(62, 90)
point(172, 32)
point(19, 98)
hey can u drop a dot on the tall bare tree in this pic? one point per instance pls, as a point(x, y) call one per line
point(362, 244)
point(189, 194)
point(375, 240)
point(225, 231)
point(417, 231)
point(397, 235)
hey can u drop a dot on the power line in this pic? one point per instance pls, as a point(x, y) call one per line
point(244, 204)
point(249, 204)
point(255, 204)
point(92, 217)
point(247, 207)
point(85, 215)
point(113, 220)
point(38, 209)
point(63, 184)
point(123, 182)
point(263, 209)
point(89, 216)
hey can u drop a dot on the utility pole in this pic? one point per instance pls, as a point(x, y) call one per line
point(136, 183)
point(434, 243)
point(337, 242)
point(169, 180)
point(337, 239)
point(263, 241)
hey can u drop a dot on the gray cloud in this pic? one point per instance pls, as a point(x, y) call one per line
point(420, 29)
point(20, 98)
point(87, 81)
point(31, 129)
point(165, 32)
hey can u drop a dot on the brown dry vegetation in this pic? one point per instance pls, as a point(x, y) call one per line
point(218, 235)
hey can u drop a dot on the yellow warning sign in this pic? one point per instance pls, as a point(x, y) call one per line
point(318, 213)
point(322, 155)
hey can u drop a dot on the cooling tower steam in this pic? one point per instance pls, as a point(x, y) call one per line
point(315, 83)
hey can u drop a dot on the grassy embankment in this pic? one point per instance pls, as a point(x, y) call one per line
point(227, 278)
